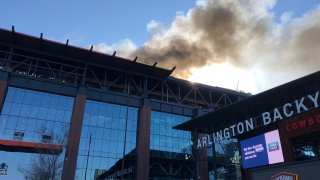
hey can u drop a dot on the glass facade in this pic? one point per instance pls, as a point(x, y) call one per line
point(31, 118)
point(111, 148)
point(227, 158)
point(168, 145)
point(306, 147)
point(107, 148)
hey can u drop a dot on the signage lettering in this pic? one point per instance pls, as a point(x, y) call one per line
point(277, 114)
point(307, 122)
point(226, 133)
point(236, 159)
point(273, 146)
point(120, 173)
point(285, 176)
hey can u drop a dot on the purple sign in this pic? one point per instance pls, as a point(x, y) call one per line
point(261, 150)
point(275, 154)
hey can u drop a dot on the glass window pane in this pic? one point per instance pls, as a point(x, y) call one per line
point(107, 122)
point(28, 116)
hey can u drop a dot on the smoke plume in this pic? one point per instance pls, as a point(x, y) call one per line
point(242, 33)
point(212, 32)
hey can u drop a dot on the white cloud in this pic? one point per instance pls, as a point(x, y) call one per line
point(124, 48)
point(286, 17)
point(155, 27)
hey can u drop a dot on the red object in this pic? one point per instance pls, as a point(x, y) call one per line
point(32, 147)
point(298, 125)
point(301, 124)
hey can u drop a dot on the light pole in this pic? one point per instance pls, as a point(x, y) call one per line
point(85, 174)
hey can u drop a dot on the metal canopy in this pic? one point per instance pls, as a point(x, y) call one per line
point(82, 55)
point(253, 106)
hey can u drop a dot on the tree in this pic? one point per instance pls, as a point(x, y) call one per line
point(47, 164)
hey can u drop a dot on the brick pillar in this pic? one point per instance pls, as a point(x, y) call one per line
point(143, 143)
point(3, 87)
point(202, 156)
point(70, 161)
point(202, 161)
point(247, 175)
point(285, 142)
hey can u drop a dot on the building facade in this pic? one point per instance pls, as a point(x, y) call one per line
point(276, 133)
point(72, 113)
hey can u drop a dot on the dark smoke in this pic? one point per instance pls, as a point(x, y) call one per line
point(214, 34)
point(209, 24)
point(241, 32)
point(179, 53)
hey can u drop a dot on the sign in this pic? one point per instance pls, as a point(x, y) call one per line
point(306, 170)
point(120, 173)
point(236, 159)
point(298, 106)
point(3, 169)
point(304, 123)
point(261, 150)
point(285, 176)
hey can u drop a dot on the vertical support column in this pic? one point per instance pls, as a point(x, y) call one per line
point(202, 157)
point(203, 161)
point(247, 175)
point(3, 87)
point(214, 160)
point(143, 142)
point(70, 161)
point(285, 142)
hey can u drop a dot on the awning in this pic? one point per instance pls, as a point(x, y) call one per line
point(253, 106)
point(32, 147)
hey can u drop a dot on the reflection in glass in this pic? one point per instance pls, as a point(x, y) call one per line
point(306, 147)
point(227, 159)
point(31, 118)
point(170, 149)
point(113, 131)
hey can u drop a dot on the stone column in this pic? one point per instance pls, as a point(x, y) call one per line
point(3, 87)
point(70, 161)
point(143, 142)
point(202, 161)
point(202, 157)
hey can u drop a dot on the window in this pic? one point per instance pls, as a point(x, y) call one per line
point(33, 117)
point(112, 129)
point(306, 147)
point(164, 138)
point(46, 138)
point(18, 136)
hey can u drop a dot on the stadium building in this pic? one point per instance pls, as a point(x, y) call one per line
point(73, 113)
point(277, 132)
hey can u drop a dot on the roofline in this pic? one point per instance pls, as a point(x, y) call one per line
point(54, 48)
point(215, 88)
point(199, 119)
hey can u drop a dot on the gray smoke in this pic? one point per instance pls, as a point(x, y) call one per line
point(212, 32)
point(241, 32)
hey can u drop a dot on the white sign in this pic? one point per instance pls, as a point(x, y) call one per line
point(3, 169)
point(298, 106)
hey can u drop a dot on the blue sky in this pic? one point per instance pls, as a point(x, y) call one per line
point(89, 22)
point(298, 7)
point(108, 21)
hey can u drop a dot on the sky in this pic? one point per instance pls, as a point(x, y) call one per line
point(244, 45)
